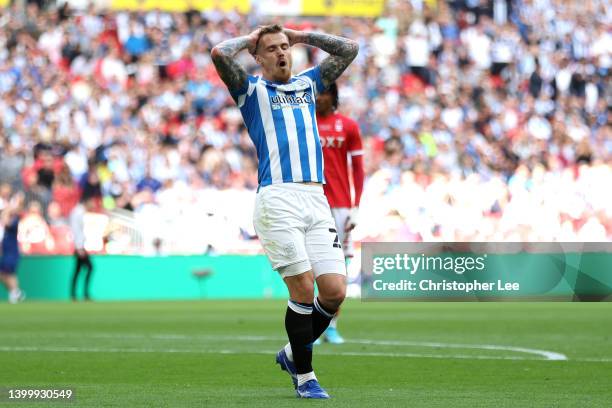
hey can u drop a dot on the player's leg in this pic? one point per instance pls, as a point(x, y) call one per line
point(301, 320)
point(331, 334)
point(296, 356)
point(75, 276)
point(330, 274)
point(4, 278)
point(325, 255)
point(332, 290)
point(327, 259)
point(8, 277)
point(88, 269)
point(340, 215)
point(279, 223)
point(298, 323)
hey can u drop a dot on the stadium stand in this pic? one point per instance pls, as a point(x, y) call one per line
point(482, 121)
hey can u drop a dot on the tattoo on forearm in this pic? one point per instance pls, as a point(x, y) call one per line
point(223, 56)
point(342, 52)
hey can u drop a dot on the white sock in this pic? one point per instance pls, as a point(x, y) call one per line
point(333, 322)
point(302, 378)
point(288, 352)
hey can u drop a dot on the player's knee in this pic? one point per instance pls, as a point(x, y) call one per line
point(333, 297)
point(340, 295)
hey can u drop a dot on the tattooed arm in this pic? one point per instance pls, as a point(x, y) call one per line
point(342, 52)
point(224, 58)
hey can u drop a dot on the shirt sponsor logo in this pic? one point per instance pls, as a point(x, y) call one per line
point(332, 141)
point(293, 101)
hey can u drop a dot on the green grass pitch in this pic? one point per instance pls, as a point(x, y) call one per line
point(221, 353)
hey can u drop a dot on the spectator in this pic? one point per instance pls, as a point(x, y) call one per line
point(65, 192)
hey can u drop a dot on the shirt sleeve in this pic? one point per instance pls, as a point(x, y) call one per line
point(355, 146)
point(314, 74)
point(237, 93)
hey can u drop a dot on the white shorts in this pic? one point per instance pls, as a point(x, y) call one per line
point(296, 229)
point(341, 216)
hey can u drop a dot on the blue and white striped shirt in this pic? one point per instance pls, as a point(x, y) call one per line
point(281, 120)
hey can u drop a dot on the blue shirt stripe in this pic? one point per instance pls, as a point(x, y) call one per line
point(302, 144)
point(318, 148)
point(264, 177)
point(282, 139)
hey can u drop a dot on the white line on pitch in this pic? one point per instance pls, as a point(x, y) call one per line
point(594, 360)
point(548, 355)
point(61, 349)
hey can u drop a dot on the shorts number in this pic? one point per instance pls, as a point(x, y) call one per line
point(336, 243)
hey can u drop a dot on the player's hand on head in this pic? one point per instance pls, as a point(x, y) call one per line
point(353, 219)
point(253, 37)
point(294, 36)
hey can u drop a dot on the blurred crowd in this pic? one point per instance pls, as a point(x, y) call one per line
point(481, 120)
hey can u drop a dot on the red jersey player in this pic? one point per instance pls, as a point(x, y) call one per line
point(340, 140)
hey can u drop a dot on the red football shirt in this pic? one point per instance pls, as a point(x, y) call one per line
point(339, 137)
